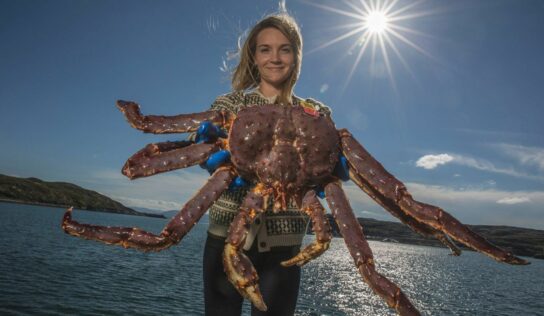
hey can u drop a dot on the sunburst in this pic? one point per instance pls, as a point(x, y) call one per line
point(376, 26)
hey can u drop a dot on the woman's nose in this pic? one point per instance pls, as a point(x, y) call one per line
point(275, 56)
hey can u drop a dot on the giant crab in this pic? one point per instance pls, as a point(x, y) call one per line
point(287, 153)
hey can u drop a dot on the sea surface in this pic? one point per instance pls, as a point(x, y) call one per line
point(46, 272)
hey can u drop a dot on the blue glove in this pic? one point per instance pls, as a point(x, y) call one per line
point(341, 170)
point(215, 160)
point(320, 192)
point(238, 182)
point(207, 132)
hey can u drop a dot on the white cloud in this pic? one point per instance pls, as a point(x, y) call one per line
point(445, 193)
point(514, 200)
point(164, 192)
point(528, 156)
point(324, 88)
point(148, 203)
point(483, 165)
point(470, 205)
point(481, 206)
point(432, 161)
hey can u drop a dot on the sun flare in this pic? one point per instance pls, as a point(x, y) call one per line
point(377, 27)
point(376, 22)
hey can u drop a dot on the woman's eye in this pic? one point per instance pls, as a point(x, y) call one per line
point(264, 50)
point(286, 50)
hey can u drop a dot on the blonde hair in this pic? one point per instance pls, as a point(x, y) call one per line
point(246, 75)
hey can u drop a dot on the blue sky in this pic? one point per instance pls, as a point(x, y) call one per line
point(458, 116)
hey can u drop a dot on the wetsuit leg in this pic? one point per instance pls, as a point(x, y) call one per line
point(220, 297)
point(279, 285)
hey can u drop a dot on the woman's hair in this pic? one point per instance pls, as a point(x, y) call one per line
point(246, 75)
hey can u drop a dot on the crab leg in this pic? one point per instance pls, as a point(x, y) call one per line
point(175, 230)
point(321, 228)
point(160, 124)
point(162, 157)
point(393, 192)
point(362, 254)
point(396, 211)
point(239, 269)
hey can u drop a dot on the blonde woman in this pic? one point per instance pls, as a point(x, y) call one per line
point(269, 67)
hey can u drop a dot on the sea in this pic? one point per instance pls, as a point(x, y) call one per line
point(43, 271)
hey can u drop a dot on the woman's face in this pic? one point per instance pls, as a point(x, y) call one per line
point(274, 57)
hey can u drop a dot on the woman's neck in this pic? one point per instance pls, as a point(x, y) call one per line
point(269, 90)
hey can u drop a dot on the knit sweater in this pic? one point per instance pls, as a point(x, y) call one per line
point(269, 230)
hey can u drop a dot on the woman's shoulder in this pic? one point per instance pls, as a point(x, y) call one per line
point(230, 101)
point(313, 104)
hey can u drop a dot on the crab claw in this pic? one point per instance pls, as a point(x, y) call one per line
point(243, 275)
point(312, 251)
point(67, 217)
point(321, 228)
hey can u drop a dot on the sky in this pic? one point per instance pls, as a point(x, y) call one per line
point(452, 104)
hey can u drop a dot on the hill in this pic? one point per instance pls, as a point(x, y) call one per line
point(521, 241)
point(59, 194)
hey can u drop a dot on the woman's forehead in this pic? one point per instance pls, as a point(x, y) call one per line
point(271, 36)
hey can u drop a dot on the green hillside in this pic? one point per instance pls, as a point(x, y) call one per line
point(61, 194)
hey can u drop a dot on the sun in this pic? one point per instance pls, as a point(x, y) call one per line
point(376, 22)
point(376, 26)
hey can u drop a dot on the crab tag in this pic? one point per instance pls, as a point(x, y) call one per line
point(309, 108)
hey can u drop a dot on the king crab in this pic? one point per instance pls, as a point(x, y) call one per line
point(288, 153)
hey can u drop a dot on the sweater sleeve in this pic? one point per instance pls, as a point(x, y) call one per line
point(225, 102)
point(228, 102)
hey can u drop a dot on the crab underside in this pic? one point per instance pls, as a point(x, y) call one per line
point(286, 153)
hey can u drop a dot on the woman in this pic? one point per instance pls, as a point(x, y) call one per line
point(269, 67)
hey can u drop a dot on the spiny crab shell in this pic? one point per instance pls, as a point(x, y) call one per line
point(284, 148)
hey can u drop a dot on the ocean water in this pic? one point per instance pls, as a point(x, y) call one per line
point(46, 272)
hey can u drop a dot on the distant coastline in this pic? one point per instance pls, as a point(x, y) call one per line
point(33, 191)
point(53, 205)
point(33, 203)
point(520, 241)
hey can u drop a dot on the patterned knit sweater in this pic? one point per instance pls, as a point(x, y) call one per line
point(269, 230)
